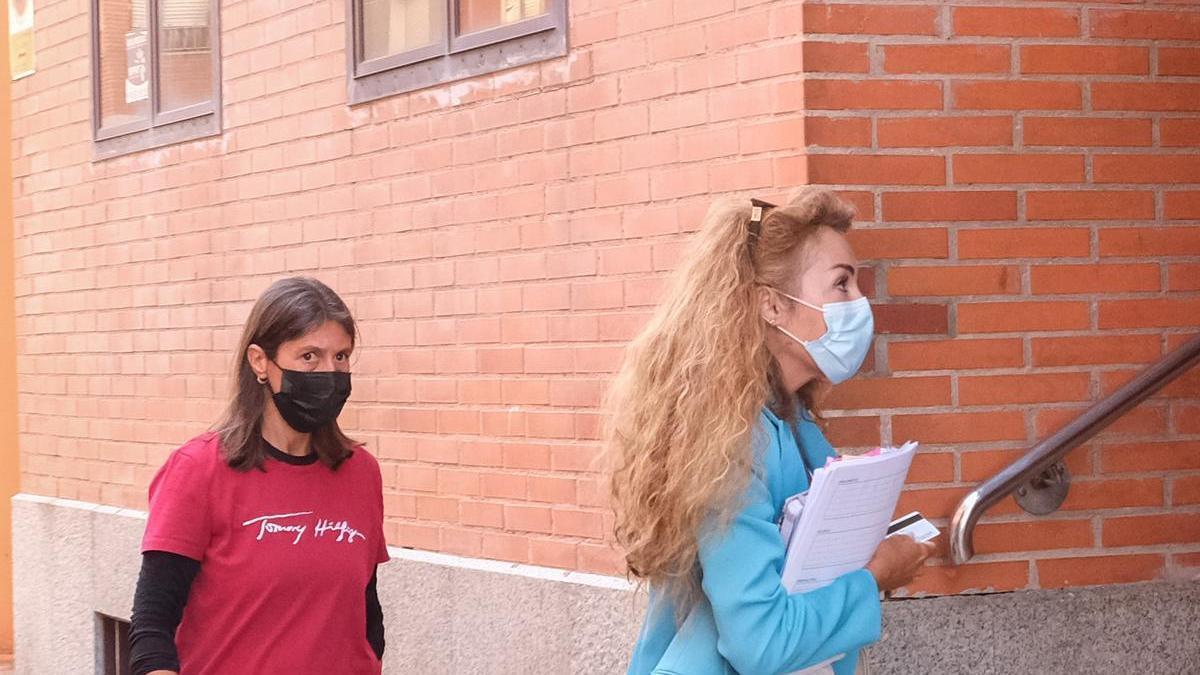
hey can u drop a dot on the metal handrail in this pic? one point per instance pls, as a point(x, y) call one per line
point(1046, 453)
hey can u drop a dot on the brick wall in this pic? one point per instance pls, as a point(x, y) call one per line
point(1021, 172)
point(9, 467)
point(1025, 168)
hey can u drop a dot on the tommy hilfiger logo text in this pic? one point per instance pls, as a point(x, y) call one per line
point(293, 524)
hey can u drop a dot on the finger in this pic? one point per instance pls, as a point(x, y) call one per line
point(916, 573)
point(919, 550)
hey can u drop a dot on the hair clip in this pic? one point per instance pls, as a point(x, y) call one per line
point(758, 209)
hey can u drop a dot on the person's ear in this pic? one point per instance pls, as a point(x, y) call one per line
point(770, 308)
point(257, 358)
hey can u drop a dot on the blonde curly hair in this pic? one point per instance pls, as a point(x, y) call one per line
point(683, 406)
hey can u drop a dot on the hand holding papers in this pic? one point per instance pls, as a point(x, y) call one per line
point(843, 517)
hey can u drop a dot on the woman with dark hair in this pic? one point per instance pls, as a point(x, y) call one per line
point(264, 535)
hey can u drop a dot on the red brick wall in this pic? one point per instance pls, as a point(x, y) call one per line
point(1025, 171)
point(1030, 234)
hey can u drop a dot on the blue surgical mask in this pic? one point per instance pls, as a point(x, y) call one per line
point(840, 352)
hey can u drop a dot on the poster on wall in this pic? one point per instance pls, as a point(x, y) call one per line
point(20, 37)
point(137, 78)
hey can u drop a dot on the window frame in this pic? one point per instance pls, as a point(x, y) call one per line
point(501, 33)
point(453, 57)
point(383, 63)
point(112, 645)
point(160, 127)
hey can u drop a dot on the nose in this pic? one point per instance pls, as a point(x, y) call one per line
point(855, 289)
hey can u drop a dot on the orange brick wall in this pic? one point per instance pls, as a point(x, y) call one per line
point(501, 238)
point(9, 478)
point(1026, 171)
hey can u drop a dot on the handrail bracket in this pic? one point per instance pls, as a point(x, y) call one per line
point(1045, 492)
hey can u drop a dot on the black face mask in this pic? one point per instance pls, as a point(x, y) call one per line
point(308, 401)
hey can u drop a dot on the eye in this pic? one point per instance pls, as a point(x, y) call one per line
point(843, 283)
point(342, 356)
point(308, 356)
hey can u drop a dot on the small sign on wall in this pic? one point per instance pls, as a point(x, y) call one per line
point(20, 37)
point(137, 78)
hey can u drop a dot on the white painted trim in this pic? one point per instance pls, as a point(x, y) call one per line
point(79, 506)
point(515, 569)
point(397, 553)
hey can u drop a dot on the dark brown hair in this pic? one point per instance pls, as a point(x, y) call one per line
point(290, 308)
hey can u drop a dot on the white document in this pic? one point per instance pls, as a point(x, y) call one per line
point(822, 668)
point(845, 517)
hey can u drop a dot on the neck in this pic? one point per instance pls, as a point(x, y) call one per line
point(279, 434)
point(795, 370)
point(793, 382)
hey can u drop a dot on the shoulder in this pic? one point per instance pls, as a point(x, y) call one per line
point(199, 458)
point(360, 461)
point(766, 426)
point(201, 454)
point(189, 469)
point(361, 458)
point(205, 448)
point(765, 438)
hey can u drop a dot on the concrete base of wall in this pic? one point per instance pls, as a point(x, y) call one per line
point(444, 614)
point(1135, 628)
point(453, 615)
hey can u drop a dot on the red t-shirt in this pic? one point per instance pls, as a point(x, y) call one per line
point(285, 559)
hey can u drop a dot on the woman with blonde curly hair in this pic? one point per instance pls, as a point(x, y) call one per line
point(714, 425)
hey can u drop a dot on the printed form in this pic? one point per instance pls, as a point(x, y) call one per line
point(845, 517)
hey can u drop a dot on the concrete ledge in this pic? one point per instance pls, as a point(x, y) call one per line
point(443, 619)
point(1135, 628)
point(447, 614)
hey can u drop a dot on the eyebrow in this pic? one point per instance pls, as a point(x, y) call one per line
point(319, 350)
point(846, 267)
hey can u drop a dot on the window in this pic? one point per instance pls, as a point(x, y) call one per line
point(402, 45)
point(113, 652)
point(155, 66)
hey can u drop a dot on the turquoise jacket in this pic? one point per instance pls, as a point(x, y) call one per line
point(746, 622)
